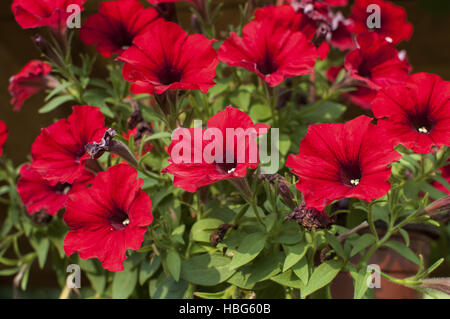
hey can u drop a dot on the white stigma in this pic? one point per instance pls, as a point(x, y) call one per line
point(354, 182)
point(231, 170)
point(126, 222)
point(423, 130)
point(389, 39)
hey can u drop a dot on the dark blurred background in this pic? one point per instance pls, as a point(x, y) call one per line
point(428, 51)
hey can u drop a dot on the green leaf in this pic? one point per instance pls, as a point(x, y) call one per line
point(165, 287)
point(202, 230)
point(260, 112)
point(403, 250)
point(124, 283)
point(301, 269)
point(173, 261)
point(289, 279)
point(58, 89)
point(360, 283)
point(98, 281)
point(206, 269)
point(149, 268)
point(362, 243)
point(294, 254)
point(290, 234)
point(41, 245)
point(328, 111)
point(405, 236)
point(53, 104)
point(322, 276)
point(248, 250)
point(334, 242)
point(262, 268)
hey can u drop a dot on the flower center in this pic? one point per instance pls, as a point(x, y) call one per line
point(169, 75)
point(364, 70)
point(119, 220)
point(350, 174)
point(62, 188)
point(267, 65)
point(422, 124)
point(226, 168)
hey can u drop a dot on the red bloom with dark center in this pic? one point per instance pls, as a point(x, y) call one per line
point(37, 193)
point(338, 161)
point(166, 58)
point(192, 170)
point(29, 81)
point(116, 24)
point(393, 22)
point(43, 13)
point(273, 53)
point(417, 112)
point(376, 62)
point(3, 135)
point(59, 151)
point(109, 217)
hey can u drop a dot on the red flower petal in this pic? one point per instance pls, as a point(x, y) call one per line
point(116, 24)
point(3, 135)
point(393, 20)
point(59, 152)
point(30, 80)
point(191, 175)
point(166, 58)
point(48, 13)
point(273, 53)
point(343, 161)
point(417, 112)
point(37, 193)
point(108, 218)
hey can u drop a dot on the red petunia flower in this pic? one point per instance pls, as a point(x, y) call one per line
point(58, 153)
point(231, 158)
point(3, 135)
point(393, 23)
point(376, 62)
point(313, 25)
point(116, 24)
point(37, 193)
point(273, 53)
point(108, 218)
point(44, 13)
point(166, 58)
point(338, 161)
point(417, 112)
point(33, 78)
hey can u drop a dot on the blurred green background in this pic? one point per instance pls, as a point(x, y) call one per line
point(428, 51)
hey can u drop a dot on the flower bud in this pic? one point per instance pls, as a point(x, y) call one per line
point(441, 284)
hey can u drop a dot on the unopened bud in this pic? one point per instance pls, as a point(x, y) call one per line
point(437, 206)
point(441, 284)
